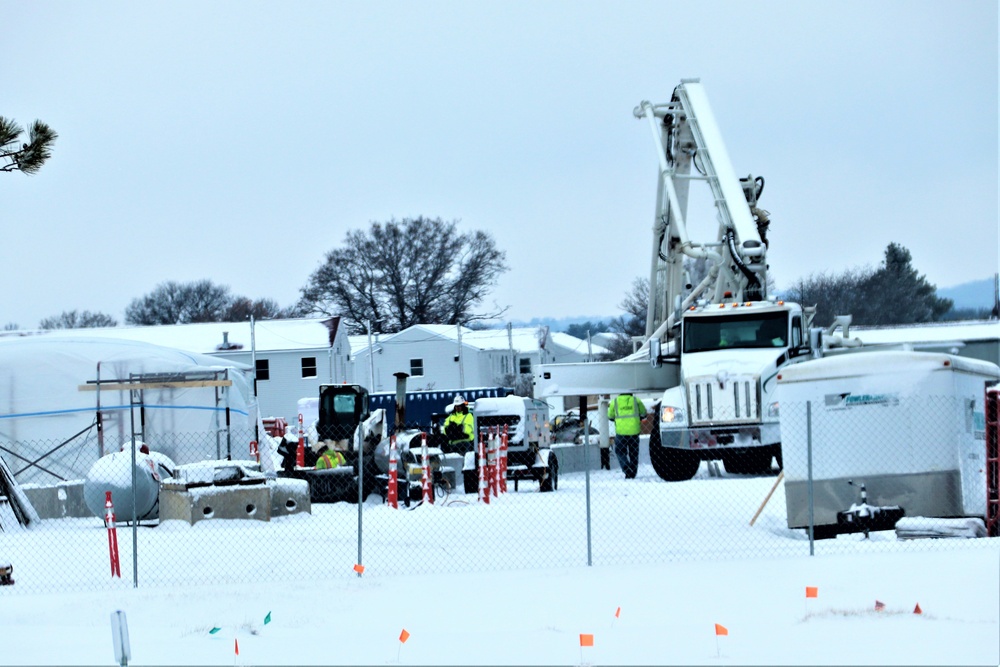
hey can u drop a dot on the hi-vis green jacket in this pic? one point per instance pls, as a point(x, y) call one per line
point(627, 411)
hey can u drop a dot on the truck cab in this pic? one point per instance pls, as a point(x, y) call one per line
point(529, 456)
point(725, 405)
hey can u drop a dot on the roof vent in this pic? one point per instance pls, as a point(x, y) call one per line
point(226, 345)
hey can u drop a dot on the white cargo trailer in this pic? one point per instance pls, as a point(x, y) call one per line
point(910, 426)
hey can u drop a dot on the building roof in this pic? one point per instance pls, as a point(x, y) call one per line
point(932, 332)
point(208, 337)
point(522, 339)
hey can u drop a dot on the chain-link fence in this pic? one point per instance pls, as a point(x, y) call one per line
point(863, 475)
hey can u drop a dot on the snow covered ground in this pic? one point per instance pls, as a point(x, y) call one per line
point(474, 585)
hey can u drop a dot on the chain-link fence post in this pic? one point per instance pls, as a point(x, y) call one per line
point(809, 475)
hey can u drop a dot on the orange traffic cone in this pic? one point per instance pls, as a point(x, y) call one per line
point(917, 609)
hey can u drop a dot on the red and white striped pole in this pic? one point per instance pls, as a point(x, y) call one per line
point(300, 453)
point(109, 522)
point(392, 494)
point(425, 460)
point(484, 493)
point(503, 460)
point(491, 457)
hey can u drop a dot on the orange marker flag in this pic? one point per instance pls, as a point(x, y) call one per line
point(618, 612)
point(812, 591)
point(917, 609)
point(721, 630)
point(237, 641)
point(359, 568)
point(586, 640)
point(403, 636)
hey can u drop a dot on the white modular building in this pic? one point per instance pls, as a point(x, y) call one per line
point(449, 356)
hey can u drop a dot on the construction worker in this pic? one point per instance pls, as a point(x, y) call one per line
point(459, 427)
point(627, 411)
point(329, 459)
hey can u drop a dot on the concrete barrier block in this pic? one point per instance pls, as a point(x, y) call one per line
point(216, 502)
point(289, 496)
point(59, 501)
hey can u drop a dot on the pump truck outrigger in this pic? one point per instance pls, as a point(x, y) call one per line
point(711, 351)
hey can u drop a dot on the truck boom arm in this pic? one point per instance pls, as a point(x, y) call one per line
point(686, 134)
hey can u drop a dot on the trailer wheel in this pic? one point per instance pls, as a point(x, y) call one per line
point(550, 475)
point(672, 464)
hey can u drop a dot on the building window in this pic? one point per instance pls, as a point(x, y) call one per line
point(524, 366)
point(308, 367)
point(263, 372)
point(416, 367)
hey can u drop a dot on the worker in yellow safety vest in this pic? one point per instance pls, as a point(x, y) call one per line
point(627, 412)
point(330, 459)
point(459, 427)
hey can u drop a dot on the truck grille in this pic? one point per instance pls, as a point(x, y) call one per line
point(734, 399)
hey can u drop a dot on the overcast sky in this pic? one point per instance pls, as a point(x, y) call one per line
point(240, 141)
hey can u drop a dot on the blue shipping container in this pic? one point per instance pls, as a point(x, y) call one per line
point(422, 405)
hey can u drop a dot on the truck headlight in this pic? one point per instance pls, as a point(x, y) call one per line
point(772, 409)
point(670, 414)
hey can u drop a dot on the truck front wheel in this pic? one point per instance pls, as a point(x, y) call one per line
point(672, 464)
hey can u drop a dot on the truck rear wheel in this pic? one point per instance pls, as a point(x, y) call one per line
point(672, 464)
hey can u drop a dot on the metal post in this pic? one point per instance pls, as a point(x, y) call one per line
point(229, 432)
point(135, 522)
point(256, 405)
point(359, 442)
point(510, 345)
point(586, 468)
point(461, 362)
point(603, 429)
point(809, 467)
point(371, 357)
point(100, 421)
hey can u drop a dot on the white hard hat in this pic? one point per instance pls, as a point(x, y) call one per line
point(459, 400)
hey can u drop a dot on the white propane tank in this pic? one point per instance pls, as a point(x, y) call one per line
point(113, 473)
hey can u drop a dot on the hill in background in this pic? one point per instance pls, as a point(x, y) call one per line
point(975, 294)
point(560, 323)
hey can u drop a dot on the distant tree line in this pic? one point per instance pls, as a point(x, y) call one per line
point(390, 276)
point(893, 293)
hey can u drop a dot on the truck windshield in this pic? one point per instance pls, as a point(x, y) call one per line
point(702, 334)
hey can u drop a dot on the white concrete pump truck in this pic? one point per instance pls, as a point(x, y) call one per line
point(711, 351)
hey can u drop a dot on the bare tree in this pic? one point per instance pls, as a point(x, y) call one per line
point(406, 272)
point(72, 319)
point(241, 308)
point(633, 321)
point(180, 303)
point(29, 157)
